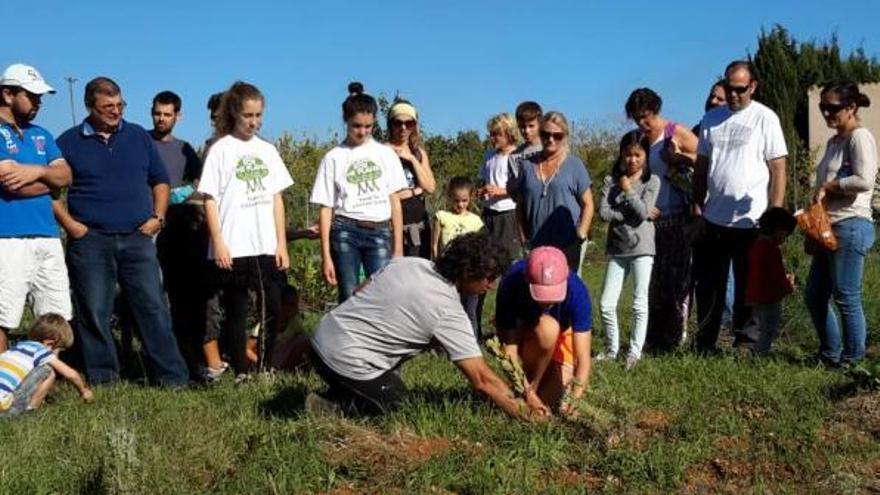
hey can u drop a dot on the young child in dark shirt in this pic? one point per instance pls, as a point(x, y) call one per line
point(768, 282)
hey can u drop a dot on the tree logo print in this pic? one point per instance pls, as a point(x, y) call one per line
point(364, 174)
point(252, 171)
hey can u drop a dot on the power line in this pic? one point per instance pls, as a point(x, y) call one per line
point(70, 80)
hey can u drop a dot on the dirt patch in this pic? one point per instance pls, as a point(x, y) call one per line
point(646, 425)
point(860, 414)
point(385, 460)
point(571, 478)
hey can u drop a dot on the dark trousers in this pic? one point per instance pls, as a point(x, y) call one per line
point(96, 262)
point(250, 273)
point(182, 248)
point(367, 397)
point(713, 253)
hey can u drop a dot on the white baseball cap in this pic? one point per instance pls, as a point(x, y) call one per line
point(25, 76)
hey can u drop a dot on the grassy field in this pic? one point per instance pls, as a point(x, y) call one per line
point(675, 424)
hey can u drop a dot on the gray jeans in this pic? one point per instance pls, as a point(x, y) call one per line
point(764, 325)
point(28, 387)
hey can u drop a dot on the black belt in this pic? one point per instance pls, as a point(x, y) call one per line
point(366, 224)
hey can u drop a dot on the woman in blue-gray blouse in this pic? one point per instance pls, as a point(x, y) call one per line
point(555, 204)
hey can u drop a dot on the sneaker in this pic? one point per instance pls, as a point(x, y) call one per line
point(317, 405)
point(611, 356)
point(212, 374)
point(242, 378)
point(631, 361)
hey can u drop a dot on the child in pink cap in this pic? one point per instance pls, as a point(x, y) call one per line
point(543, 317)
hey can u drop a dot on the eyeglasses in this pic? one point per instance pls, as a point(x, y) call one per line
point(831, 108)
point(113, 106)
point(408, 124)
point(557, 136)
point(729, 88)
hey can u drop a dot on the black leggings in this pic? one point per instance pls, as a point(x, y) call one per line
point(257, 273)
point(365, 397)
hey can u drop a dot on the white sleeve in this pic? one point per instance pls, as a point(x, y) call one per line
point(774, 139)
point(324, 189)
point(396, 180)
point(279, 177)
point(209, 183)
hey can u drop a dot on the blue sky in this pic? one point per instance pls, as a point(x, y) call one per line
point(459, 62)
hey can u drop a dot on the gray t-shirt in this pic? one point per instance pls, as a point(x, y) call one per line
point(181, 161)
point(553, 210)
point(405, 306)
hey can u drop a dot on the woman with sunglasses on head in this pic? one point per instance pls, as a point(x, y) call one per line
point(357, 189)
point(555, 204)
point(672, 153)
point(845, 183)
point(405, 139)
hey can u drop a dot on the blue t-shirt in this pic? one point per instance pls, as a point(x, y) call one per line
point(31, 216)
point(112, 189)
point(552, 216)
point(514, 303)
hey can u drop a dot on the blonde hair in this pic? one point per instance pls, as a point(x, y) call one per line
point(52, 326)
point(504, 122)
point(559, 120)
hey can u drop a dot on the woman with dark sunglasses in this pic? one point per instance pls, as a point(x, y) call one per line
point(555, 203)
point(405, 140)
point(845, 183)
point(673, 149)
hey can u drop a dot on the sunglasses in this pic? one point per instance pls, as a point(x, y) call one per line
point(408, 124)
point(729, 88)
point(831, 108)
point(557, 136)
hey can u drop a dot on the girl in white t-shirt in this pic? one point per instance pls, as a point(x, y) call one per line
point(499, 209)
point(356, 187)
point(243, 178)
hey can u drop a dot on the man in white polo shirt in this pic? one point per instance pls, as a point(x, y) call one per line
point(740, 172)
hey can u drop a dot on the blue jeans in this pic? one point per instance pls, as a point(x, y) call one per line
point(26, 390)
point(838, 275)
point(96, 262)
point(618, 268)
point(353, 245)
point(765, 325)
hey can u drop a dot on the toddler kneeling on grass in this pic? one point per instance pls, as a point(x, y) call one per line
point(768, 282)
point(28, 369)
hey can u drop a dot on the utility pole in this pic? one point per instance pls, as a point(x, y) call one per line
point(70, 81)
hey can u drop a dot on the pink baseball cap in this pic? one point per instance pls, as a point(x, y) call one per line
point(547, 274)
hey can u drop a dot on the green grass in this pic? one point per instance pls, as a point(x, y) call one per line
point(679, 424)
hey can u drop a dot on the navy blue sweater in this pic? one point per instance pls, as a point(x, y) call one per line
point(112, 188)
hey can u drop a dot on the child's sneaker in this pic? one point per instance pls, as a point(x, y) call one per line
point(212, 374)
point(631, 361)
point(611, 356)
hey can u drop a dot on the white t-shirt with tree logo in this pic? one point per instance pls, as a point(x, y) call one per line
point(243, 177)
point(357, 181)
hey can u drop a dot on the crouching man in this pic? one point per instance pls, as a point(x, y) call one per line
point(360, 345)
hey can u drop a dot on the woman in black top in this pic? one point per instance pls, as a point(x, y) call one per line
point(403, 137)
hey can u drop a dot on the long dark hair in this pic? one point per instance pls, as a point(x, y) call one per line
point(629, 140)
point(231, 104)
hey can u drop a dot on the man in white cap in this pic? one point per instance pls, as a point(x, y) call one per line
point(543, 316)
point(31, 169)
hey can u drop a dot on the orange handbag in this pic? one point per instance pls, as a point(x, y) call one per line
point(814, 221)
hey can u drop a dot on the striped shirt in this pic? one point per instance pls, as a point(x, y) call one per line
point(17, 362)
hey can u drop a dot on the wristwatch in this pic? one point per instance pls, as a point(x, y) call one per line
point(160, 219)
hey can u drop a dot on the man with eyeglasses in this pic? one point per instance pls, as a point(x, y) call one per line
point(739, 173)
point(31, 169)
point(117, 204)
